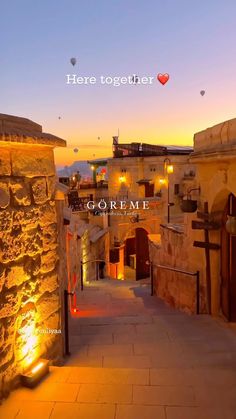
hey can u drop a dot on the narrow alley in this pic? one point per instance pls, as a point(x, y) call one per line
point(133, 357)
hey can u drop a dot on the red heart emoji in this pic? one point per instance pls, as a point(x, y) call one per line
point(163, 78)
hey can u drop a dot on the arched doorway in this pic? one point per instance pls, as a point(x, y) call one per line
point(137, 255)
point(228, 264)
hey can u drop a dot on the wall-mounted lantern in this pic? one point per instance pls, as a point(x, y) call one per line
point(122, 179)
point(169, 168)
point(231, 225)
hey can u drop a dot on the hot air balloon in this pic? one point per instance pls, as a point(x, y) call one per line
point(59, 117)
point(202, 92)
point(73, 61)
point(99, 138)
point(76, 150)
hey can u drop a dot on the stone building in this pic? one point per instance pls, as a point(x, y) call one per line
point(158, 175)
point(204, 242)
point(31, 271)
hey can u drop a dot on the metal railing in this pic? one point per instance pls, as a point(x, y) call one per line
point(181, 271)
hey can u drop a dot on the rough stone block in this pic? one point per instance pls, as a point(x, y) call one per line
point(48, 261)
point(6, 355)
point(39, 189)
point(2, 276)
point(15, 276)
point(31, 162)
point(47, 283)
point(32, 265)
point(46, 306)
point(51, 186)
point(5, 162)
point(49, 237)
point(18, 244)
point(6, 220)
point(47, 214)
point(27, 218)
point(21, 192)
point(9, 303)
point(4, 194)
point(52, 322)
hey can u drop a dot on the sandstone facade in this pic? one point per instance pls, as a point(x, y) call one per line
point(30, 301)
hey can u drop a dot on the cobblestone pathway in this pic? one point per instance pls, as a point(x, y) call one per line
point(133, 357)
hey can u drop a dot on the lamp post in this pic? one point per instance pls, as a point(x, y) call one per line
point(168, 169)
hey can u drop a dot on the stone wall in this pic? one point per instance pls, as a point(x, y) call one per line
point(29, 285)
point(174, 249)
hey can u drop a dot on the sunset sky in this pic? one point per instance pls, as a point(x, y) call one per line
point(193, 41)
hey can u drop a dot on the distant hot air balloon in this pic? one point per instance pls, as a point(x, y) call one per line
point(59, 117)
point(73, 61)
point(99, 138)
point(76, 150)
point(202, 92)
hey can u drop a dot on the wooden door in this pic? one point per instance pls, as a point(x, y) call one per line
point(228, 265)
point(149, 190)
point(142, 253)
point(129, 249)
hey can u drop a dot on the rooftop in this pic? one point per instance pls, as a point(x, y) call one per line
point(145, 150)
point(16, 129)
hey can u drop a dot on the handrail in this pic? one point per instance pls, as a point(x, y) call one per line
point(178, 270)
point(169, 268)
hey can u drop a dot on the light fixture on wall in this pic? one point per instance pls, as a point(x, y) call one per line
point(35, 373)
point(162, 181)
point(169, 168)
point(231, 225)
point(122, 179)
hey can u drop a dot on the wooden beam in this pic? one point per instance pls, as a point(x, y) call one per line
point(205, 225)
point(204, 245)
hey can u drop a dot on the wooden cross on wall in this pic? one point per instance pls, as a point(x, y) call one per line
point(207, 224)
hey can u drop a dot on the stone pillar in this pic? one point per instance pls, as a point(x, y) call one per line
point(30, 308)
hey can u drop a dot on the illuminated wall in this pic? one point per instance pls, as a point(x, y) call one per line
point(29, 287)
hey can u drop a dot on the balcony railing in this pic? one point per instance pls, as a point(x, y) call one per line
point(94, 185)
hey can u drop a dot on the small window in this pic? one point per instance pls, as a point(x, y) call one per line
point(176, 189)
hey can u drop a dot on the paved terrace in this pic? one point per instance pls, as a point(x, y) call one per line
point(135, 358)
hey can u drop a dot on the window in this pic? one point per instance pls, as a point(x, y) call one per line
point(176, 189)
